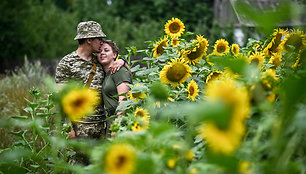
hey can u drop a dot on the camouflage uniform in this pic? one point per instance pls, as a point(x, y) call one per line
point(73, 67)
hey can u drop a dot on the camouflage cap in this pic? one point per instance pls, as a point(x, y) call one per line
point(89, 29)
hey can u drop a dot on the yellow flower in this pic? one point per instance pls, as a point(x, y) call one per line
point(226, 139)
point(274, 45)
point(213, 75)
point(195, 55)
point(244, 167)
point(257, 58)
point(159, 46)
point(268, 78)
point(296, 38)
point(189, 155)
point(171, 163)
point(137, 95)
point(140, 125)
point(175, 73)
point(192, 90)
point(142, 121)
point(142, 113)
point(120, 159)
point(235, 49)
point(275, 59)
point(193, 171)
point(174, 42)
point(280, 31)
point(79, 102)
point(174, 28)
point(221, 47)
point(302, 53)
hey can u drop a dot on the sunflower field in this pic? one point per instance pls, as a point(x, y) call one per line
point(195, 106)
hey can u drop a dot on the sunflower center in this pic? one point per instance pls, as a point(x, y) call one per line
point(121, 160)
point(221, 48)
point(78, 102)
point(191, 90)
point(160, 48)
point(215, 75)
point(197, 53)
point(174, 27)
point(136, 95)
point(255, 61)
point(295, 40)
point(176, 72)
point(140, 114)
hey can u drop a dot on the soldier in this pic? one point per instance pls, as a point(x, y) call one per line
point(81, 65)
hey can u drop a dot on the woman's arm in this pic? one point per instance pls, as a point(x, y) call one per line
point(121, 89)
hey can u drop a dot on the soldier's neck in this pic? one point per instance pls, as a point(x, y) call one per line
point(84, 53)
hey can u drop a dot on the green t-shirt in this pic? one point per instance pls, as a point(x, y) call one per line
point(109, 87)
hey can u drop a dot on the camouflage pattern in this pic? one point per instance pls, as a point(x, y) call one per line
point(91, 127)
point(73, 67)
point(89, 29)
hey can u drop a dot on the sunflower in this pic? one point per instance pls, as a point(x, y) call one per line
point(274, 46)
point(213, 75)
point(175, 73)
point(192, 90)
point(235, 49)
point(283, 32)
point(137, 95)
point(174, 28)
point(120, 159)
point(79, 102)
point(226, 139)
point(159, 46)
point(296, 38)
point(140, 125)
point(257, 58)
point(244, 167)
point(275, 59)
point(189, 155)
point(221, 47)
point(171, 163)
point(268, 78)
point(142, 113)
point(302, 53)
point(174, 42)
point(195, 55)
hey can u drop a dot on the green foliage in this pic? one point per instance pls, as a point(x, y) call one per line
point(14, 87)
point(36, 29)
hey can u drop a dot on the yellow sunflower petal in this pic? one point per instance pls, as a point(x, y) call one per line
point(175, 73)
point(174, 28)
point(120, 159)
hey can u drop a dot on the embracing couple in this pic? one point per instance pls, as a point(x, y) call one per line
point(97, 64)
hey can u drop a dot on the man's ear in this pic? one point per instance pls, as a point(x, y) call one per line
point(88, 41)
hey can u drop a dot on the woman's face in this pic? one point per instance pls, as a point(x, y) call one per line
point(106, 54)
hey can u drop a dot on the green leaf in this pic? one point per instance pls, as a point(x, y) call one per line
point(23, 117)
point(126, 105)
point(28, 110)
point(19, 133)
point(44, 114)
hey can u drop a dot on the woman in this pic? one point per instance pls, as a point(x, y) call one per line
point(114, 84)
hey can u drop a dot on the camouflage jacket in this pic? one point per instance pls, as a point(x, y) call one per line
point(73, 67)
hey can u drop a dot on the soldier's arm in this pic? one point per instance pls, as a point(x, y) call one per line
point(62, 73)
point(117, 65)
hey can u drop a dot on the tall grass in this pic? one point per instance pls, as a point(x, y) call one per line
point(14, 87)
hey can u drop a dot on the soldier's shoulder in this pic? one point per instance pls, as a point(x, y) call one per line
point(70, 57)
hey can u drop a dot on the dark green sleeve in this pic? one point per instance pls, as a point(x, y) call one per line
point(123, 75)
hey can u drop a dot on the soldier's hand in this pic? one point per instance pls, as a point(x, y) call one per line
point(117, 65)
point(71, 134)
